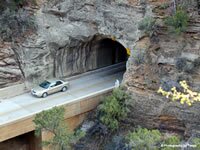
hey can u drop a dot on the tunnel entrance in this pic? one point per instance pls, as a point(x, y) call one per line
point(110, 52)
point(82, 56)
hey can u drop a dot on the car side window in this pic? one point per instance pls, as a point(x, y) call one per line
point(52, 85)
point(58, 83)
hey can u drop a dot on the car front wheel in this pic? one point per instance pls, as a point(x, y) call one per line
point(64, 89)
point(44, 95)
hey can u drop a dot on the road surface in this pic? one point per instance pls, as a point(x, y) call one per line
point(24, 105)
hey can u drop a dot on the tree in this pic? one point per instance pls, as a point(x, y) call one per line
point(53, 121)
point(114, 109)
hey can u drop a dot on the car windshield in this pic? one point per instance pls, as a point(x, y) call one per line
point(45, 84)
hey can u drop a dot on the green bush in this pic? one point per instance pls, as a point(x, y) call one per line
point(113, 109)
point(53, 122)
point(196, 142)
point(144, 139)
point(178, 22)
point(138, 56)
point(147, 25)
point(172, 140)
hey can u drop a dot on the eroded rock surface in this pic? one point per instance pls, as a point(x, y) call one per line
point(10, 71)
point(168, 59)
point(65, 42)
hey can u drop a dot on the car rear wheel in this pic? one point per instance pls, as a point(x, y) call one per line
point(64, 89)
point(44, 95)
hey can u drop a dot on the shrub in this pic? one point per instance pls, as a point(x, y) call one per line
point(128, 51)
point(143, 139)
point(117, 143)
point(147, 25)
point(196, 142)
point(172, 140)
point(178, 22)
point(53, 121)
point(113, 109)
point(185, 96)
point(138, 57)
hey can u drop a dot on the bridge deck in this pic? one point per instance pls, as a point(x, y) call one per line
point(22, 108)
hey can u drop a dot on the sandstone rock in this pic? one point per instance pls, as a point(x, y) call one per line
point(67, 42)
point(67, 37)
point(150, 109)
point(9, 68)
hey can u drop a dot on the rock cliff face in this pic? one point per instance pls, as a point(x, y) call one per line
point(9, 66)
point(73, 36)
point(168, 59)
point(69, 37)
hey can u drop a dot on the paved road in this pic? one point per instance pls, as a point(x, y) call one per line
point(81, 86)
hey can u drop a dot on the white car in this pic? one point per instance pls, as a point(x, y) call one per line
point(49, 87)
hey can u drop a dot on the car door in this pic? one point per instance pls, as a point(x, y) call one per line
point(58, 86)
point(52, 88)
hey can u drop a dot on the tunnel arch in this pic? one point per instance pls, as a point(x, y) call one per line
point(89, 54)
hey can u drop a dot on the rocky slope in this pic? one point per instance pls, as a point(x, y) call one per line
point(163, 66)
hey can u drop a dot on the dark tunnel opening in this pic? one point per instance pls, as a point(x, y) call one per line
point(110, 52)
point(93, 54)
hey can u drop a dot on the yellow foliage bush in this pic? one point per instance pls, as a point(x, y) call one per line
point(128, 51)
point(187, 96)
